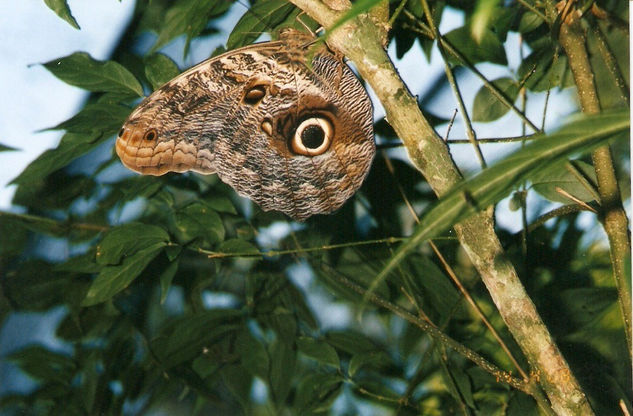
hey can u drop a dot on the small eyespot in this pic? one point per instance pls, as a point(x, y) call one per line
point(150, 135)
point(267, 127)
point(121, 132)
point(313, 136)
point(255, 95)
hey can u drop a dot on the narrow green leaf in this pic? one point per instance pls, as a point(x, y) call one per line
point(262, 16)
point(127, 239)
point(496, 182)
point(319, 350)
point(254, 356)
point(487, 107)
point(102, 118)
point(4, 148)
point(529, 22)
point(71, 146)
point(160, 69)
point(81, 70)
point(359, 7)
point(60, 7)
point(316, 392)
point(114, 279)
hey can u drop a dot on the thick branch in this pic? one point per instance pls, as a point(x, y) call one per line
point(614, 219)
point(358, 41)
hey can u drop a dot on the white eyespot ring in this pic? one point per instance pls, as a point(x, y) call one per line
point(313, 136)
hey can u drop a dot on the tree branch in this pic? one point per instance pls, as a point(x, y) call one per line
point(358, 40)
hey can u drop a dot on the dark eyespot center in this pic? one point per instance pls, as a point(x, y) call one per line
point(121, 132)
point(312, 136)
point(150, 135)
point(255, 95)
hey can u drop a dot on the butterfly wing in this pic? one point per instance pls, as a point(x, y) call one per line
point(292, 138)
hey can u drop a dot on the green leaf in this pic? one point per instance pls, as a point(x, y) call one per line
point(102, 118)
point(4, 148)
point(359, 7)
point(529, 22)
point(44, 364)
point(319, 350)
point(487, 107)
point(114, 279)
point(482, 18)
point(81, 70)
point(13, 236)
point(166, 278)
point(84, 263)
point(496, 182)
point(188, 17)
point(160, 69)
point(198, 220)
point(316, 393)
point(253, 354)
point(374, 359)
point(262, 16)
point(282, 367)
point(237, 246)
point(185, 338)
point(71, 146)
point(489, 49)
point(563, 178)
point(60, 7)
point(128, 239)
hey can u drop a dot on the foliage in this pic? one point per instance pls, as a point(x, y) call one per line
point(181, 297)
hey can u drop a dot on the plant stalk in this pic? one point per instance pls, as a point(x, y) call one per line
point(357, 39)
point(613, 217)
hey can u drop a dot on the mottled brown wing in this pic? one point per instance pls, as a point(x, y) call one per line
point(292, 137)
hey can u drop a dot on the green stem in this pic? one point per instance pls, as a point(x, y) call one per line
point(357, 39)
point(614, 218)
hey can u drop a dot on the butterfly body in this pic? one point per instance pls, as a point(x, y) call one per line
point(292, 137)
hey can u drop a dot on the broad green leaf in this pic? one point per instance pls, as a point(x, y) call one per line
point(126, 240)
point(34, 286)
point(185, 338)
point(482, 18)
point(262, 16)
point(13, 235)
point(4, 148)
point(70, 147)
point(166, 278)
point(114, 279)
point(282, 368)
point(529, 22)
point(489, 49)
point(319, 350)
point(351, 342)
point(316, 393)
point(221, 204)
point(44, 365)
point(563, 178)
point(374, 359)
point(487, 107)
point(84, 263)
point(188, 17)
point(498, 181)
point(198, 220)
point(254, 356)
point(542, 70)
point(60, 7)
point(237, 246)
point(81, 70)
point(96, 118)
point(160, 69)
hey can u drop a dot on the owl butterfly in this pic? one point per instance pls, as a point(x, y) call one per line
point(292, 136)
